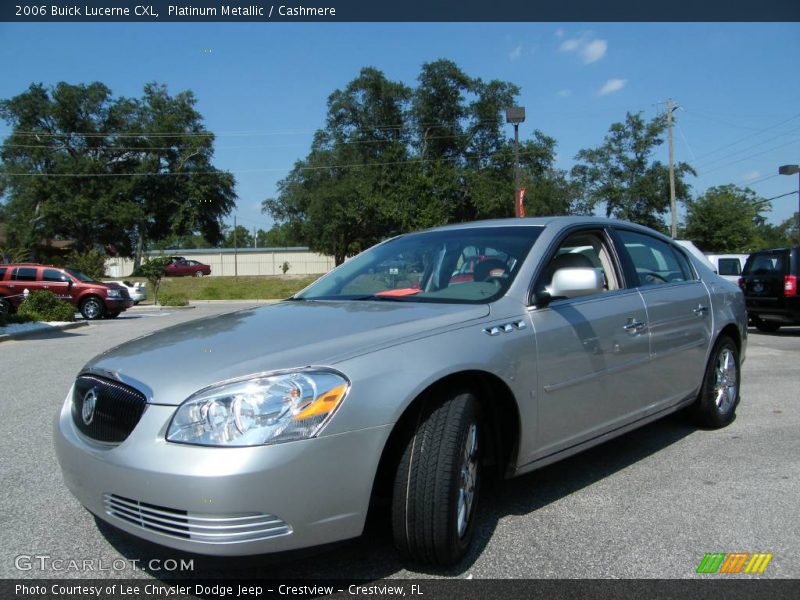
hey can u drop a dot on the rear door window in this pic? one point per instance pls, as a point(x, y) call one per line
point(24, 274)
point(656, 262)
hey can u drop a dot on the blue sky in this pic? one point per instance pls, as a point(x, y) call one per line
point(262, 87)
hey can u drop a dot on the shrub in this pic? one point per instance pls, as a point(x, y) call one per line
point(44, 306)
point(285, 267)
point(172, 299)
point(6, 319)
point(91, 263)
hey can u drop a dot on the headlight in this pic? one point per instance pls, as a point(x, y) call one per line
point(114, 293)
point(260, 410)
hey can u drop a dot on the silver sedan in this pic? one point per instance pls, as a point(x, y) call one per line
point(412, 371)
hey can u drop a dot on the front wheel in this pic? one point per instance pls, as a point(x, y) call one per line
point(437, 481)
point(198, 273)
point(715, 407)
point(92, 308)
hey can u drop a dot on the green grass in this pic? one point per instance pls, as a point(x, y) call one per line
point(230, 288)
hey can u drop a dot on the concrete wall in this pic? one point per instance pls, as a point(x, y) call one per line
point(247, 261)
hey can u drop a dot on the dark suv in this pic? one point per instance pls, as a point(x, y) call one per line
point(94, 299)
point(769, 283)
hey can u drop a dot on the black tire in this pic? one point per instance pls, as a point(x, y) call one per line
point(438, 474)
point(715, 406)
point(198, 273)
point(92, 308)
point(5, 307)
point(766, 326)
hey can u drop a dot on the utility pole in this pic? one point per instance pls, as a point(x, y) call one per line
point(235, 250)
point(255, 238)
point(673, 208)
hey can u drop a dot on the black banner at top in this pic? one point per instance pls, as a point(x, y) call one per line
point(395, 10)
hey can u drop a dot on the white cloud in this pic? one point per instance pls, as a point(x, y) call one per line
point(589, 48)
point(611, 86)
point(564, 93)
point(751, 175)
point(594, 51)
point(515, 53)
point(571, 44)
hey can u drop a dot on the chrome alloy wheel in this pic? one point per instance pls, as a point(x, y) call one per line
point(726, 380)
point(468, 475)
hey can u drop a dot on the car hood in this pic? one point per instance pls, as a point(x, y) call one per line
point(173, 363)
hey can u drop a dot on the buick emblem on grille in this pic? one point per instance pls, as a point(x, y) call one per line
point(89, 402)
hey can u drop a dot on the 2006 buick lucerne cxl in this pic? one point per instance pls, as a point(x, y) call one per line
point(271, 428)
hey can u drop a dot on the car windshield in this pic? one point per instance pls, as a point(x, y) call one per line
point(81, 277)
point(471, 265)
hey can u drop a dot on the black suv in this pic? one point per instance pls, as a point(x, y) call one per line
point(769, 283)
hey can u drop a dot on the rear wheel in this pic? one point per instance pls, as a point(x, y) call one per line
point(766, 326)
point(5, 307)
point(716, 405)
point(436, 483)
point(92, 308)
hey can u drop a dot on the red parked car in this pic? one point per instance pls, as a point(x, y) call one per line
point(94, 299)
point(180, 267)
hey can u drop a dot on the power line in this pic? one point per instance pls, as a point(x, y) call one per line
point(748, 149)
point(747, 137)
point(750, 156)
point(264, 170)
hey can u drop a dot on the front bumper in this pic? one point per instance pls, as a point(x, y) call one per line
point(222, 501)
point(117, 304)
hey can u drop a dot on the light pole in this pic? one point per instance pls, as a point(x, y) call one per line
point(791, 170)
point(516, 115)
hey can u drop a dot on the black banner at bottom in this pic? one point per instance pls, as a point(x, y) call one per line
point(419, 589)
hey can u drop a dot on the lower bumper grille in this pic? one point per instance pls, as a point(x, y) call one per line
point(211, 529)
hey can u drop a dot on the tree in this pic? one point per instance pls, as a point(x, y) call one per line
point(393, 159)
point(153, 270)
point(622, 175)
point(726, 219)
point(85, 166)
point(243, 238)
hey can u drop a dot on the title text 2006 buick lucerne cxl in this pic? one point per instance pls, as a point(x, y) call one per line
point(401, 374)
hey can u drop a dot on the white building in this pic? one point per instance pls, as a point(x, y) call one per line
point(243, 261)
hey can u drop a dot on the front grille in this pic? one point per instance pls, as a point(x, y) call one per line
point(212, 529)
point(117, 408)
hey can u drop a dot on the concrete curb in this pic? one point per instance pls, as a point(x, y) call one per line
point(33, 332)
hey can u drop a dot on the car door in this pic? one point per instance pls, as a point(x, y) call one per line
point(678, 313)
point(22, 278)
point(57, 283)
point(592, 351)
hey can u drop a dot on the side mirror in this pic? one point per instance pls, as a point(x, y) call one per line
point(575, 282)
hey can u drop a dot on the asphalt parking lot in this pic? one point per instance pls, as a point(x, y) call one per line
point(647, 505)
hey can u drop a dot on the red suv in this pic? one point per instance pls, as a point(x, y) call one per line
point(94, 299)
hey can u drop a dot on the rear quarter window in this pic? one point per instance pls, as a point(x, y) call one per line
point(3, 272)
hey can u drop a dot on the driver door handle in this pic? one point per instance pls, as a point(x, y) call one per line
point(633, 326)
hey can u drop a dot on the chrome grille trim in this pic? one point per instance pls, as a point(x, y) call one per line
point(220, 529)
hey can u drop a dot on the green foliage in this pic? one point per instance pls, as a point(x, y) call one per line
point(44, 306)
point(237, 288)
point(14, 255)
point(726, 219)
point(285, 267)
point(7, 319)
point(392, 159)
point(172, 299)
point(243, 237)
point(83, 130)
point(153, 270)
point(621, 174)
point(91, 263)
point(280, 236)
